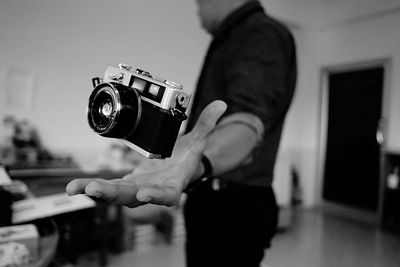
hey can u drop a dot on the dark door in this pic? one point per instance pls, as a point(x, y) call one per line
point(352, 163)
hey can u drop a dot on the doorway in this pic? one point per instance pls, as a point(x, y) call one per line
point(352, 167)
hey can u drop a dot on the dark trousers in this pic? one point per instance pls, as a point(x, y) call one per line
point(229, 227)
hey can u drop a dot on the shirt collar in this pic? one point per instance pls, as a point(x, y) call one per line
point(236, 17)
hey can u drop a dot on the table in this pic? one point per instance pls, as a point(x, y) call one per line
point(51, 178)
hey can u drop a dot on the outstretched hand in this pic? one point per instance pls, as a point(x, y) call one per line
point(157, 181)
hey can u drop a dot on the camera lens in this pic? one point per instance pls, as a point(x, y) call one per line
point(107, 109)
point(114, 110)
point(102, 109)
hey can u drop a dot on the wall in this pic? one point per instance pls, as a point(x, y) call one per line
point(368, 40)
point(66, 43)
point(365, 40)
point(359, 39)
point(333, 33)
point(63, 44)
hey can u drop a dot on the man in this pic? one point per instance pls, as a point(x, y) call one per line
point(251, 65)
point(231, 216)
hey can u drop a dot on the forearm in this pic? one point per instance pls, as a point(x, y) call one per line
point(231, 143)
point(230, 147)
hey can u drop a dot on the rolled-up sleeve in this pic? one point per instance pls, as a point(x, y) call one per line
point(255, 79)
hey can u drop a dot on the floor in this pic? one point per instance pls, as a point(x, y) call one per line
point(313, 239)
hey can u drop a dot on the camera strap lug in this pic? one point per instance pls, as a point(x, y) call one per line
point(96, 81)
point(178, 114)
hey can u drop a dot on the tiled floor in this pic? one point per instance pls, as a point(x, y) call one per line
point(314, 239)
point(324, 240)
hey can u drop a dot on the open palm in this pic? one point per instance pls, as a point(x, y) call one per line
point(157, 181)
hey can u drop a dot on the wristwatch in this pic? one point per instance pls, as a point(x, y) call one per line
point(208, 173)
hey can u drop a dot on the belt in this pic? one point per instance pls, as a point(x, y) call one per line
point(217, 184)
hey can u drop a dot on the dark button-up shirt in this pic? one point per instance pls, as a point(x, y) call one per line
point(251, 65)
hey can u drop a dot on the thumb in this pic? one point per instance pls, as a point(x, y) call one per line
point(208, 119)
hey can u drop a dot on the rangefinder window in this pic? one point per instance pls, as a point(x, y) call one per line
point(154, 89)
point(154, 92)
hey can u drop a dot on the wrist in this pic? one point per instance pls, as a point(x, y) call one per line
point(204, 172)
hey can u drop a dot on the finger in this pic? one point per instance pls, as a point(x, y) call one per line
point(208, 119)
point(116, 191)
point(77, 186)
point(166, 195)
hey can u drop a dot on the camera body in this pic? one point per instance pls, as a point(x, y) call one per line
point(143, 111)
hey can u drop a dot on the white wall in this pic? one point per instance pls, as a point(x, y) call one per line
point(299, 148)
point(66, 43)
point(333, 33)
point(331, 43)
point(377, 38)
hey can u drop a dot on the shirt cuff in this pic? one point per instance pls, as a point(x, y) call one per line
point(248, 119)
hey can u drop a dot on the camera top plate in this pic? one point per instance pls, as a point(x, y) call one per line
point(165, 94)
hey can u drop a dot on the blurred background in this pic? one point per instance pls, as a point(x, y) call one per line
point(338, 165)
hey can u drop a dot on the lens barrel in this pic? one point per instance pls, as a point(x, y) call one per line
point(114, 110)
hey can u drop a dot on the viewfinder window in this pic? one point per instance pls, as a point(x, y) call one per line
point(153, 90)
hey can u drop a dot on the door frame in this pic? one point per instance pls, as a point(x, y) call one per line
point(325, 71)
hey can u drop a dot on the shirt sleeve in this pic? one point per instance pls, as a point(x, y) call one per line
point(251, 121)
point(256, 77)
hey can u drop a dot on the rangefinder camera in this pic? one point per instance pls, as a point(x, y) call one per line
point(143, 111)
